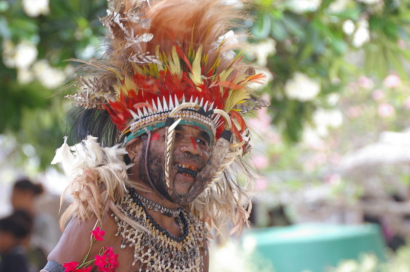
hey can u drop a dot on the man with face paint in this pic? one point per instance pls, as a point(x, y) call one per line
point(163, 137)
point(191, 153)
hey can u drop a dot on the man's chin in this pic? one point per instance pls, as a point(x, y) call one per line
point(180, 191)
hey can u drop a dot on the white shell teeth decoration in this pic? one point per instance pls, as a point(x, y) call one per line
point(192, 99)
point(150, 111)
point(171, 104)
point(165, 104)
point(196, 100)
point(183, 99)
point(216, 119)
point(206, 104)
point(134, 115)
point(140, 113)
point(145, 111)
point(154, 106)
point(176, 101)
point(159, 105)
point(211, 107)
point(202, 102)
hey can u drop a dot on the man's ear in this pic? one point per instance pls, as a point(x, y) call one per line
point(134, 147)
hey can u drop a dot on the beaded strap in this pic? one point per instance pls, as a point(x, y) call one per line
point(151, 205)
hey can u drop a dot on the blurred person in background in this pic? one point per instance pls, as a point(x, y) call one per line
point(23, 197)
point(15, 230)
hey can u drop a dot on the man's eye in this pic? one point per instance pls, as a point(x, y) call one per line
point(203, 142)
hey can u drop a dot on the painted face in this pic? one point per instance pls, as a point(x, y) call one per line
point(191, 153)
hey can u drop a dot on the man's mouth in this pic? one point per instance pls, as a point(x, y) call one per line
point(187, 170)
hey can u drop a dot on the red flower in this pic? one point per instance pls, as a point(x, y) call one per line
point(108, 261)
point(70, 266)
point(100, 262)
point(98, 234)
point(112, 258)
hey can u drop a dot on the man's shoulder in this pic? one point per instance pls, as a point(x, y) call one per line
point(76, 239)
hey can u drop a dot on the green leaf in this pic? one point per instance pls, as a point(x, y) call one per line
point(294, 26)
point(4, 28)
point(23, 28)
point(261, 28)
point(339, 46)
point(278, 30)
point(397, 65)
point(349, 14)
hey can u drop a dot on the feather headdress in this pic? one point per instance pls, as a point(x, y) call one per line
point(174, 60)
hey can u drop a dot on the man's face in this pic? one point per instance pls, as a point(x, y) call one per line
point(191, 151)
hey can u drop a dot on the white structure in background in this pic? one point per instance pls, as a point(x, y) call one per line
point(381, 169)
point(370, 2)
point(360, 32)
point(301, 87)
point(302, 6)
point(338, 5)
point(48, 76)
point(392, 148)
point(262, 50)
point(34, 8)
point(323, 119)
point(19, 56)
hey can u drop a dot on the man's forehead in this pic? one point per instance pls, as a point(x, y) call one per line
point(181, 128)
point(189, 127)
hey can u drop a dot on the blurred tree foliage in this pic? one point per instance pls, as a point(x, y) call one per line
point(37, 39)
point(318, 47)
point(332, 42)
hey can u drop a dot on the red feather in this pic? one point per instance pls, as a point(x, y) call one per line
point(183, 57)
point(229, 85)
point(236, 116)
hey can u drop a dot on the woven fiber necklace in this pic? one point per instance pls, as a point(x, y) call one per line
point(159, 250)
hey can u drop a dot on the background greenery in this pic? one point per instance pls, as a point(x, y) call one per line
point(37, 39)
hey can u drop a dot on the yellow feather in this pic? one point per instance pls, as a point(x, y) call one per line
point(129, 84)
point(236, 57)
point(204, 59)
point(215, 65)
point(118, 74)
point(235, 97)
point(153, 70)
point(238, 78)
point(137, 68)
point(117, 89)
point(174, 64)
point(196, 68)
point(223, 76)
point(160, 66)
